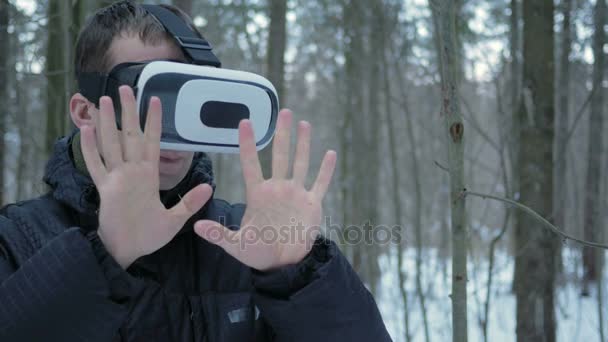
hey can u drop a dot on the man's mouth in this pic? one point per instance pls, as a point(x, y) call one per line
point(169, 160)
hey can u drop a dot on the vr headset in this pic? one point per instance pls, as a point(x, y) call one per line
point(202, 103)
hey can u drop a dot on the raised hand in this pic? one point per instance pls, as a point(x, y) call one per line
point(282, 217)
point(132, 220)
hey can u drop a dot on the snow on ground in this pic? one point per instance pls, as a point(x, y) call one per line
point(577, 317)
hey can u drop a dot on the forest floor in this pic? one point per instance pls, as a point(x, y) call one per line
point(577, 317)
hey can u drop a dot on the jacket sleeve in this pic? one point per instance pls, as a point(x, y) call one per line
point(68, 290)
point(319, 299)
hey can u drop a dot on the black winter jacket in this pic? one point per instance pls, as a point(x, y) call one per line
point(58, 283)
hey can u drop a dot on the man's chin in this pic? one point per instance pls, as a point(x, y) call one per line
point(170, 181)
point(172, 168)
point(167, 184)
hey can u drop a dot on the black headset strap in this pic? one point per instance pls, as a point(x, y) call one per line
point(194, 46)
point(93, 85)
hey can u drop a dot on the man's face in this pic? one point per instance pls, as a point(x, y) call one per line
point(173, 165)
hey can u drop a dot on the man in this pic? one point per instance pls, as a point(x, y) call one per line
point(130, 245)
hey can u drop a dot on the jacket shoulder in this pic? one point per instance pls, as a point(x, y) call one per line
point(28, 225)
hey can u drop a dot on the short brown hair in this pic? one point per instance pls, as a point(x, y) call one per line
point(122, 17)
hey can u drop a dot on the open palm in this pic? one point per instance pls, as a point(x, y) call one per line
point(282, 217)
point(132, 220)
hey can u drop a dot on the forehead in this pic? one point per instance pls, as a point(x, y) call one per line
point(132, 49)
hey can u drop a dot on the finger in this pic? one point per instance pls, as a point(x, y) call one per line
point(153, 130)
point(325, 174)
point(219, 235)
point(110, 143)
point(300, 164)
point(280, 146)
point(131, 131)
point(252, 172)
point(88, 145)
point(190, 204)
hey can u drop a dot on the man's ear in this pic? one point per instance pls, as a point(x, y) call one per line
point(81, 111)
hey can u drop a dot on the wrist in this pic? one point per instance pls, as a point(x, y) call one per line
point(120, 283)
point(287, 280)
point(119, 254)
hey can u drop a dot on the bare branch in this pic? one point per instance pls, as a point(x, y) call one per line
point(439, 165)
point(548, 224)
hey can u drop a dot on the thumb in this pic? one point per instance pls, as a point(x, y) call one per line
point(219, 235)
point(191, 203)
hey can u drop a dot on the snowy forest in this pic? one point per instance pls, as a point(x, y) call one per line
point(470, 192)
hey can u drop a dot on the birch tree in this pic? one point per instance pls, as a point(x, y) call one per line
point(444, 18)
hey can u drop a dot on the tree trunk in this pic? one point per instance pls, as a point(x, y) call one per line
point(417, 215)
point(490, 275)
point(592, 186)
point(396, 180)
point(22, 120)
point(275, 63)
point(512, 136)
point(25, 146)
point(345, 186)
point(384, 38)
point(444, 18)
point(396, 185)
point(600, 296)
point(277, 42)
point(370, 128)
point(67, 22)
point(56, 74)
point(564, 114)
point(536, 246)
point(4, 51)
point(559, 196)
point(352, 127)
point(514, 35)
point(418, 201)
